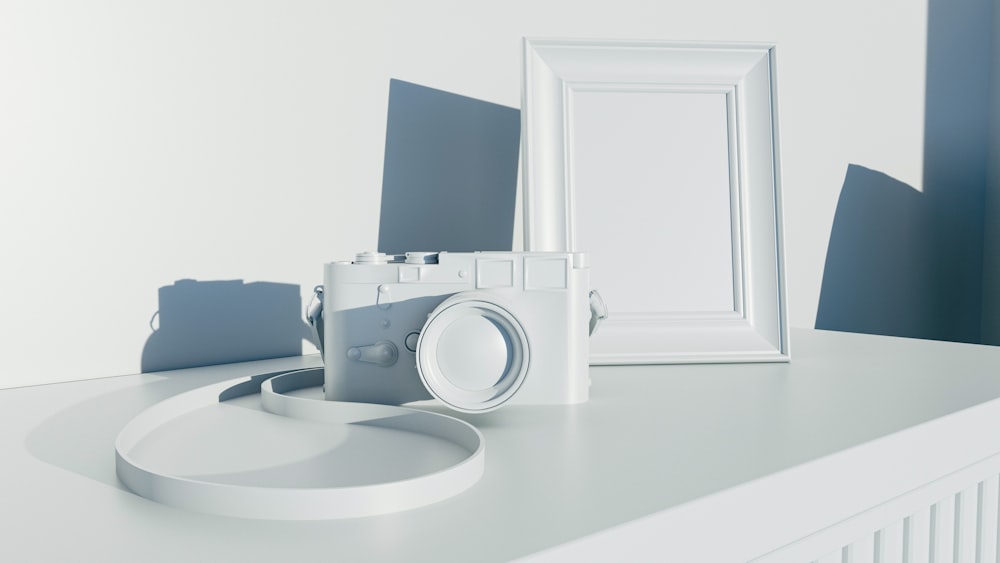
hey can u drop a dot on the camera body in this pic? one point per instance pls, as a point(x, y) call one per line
point(476, 330)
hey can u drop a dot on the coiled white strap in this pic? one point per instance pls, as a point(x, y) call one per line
point(283, 503)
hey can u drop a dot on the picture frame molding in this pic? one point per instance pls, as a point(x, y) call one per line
point(556, 72)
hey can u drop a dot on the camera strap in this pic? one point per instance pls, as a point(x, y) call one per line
point(251, 493)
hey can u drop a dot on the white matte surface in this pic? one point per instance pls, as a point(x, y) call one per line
point(653, 168)
point(669, 152)
point(665, 460)
point(145, 142)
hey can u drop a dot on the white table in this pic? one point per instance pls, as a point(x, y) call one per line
point(860, 443)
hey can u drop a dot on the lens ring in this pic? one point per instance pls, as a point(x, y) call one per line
point(458, 308)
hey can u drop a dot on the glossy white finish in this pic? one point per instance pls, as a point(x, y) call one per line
point(661, 161)
point(157, 452)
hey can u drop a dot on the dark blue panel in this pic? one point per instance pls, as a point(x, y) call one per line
point(450, 172)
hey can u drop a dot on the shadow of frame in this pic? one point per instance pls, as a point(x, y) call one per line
point(905, 263)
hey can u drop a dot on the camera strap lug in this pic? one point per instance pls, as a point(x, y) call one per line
point(598, 310)
point(314, 315)
point(383, 299)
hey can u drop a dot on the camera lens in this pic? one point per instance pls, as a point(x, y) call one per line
point(472, 353)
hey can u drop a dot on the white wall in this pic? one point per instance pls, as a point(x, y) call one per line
point(142, 142)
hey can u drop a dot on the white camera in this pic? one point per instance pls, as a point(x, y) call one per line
point(476, 330)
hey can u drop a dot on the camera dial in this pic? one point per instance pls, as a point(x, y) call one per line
point(421, 258)
point(371, 257)
point(472, 353)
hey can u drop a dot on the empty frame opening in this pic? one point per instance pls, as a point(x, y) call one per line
point(650, 174)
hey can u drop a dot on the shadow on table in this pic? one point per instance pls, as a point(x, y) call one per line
point(81, 438)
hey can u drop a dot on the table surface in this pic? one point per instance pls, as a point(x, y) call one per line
point(652, 440)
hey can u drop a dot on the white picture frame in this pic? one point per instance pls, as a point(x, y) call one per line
point(660, 160)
